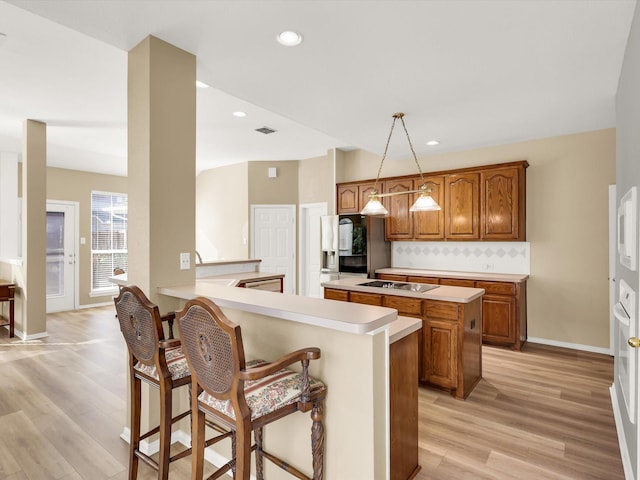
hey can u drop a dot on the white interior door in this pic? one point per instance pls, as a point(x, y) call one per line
point(310, 249)
point(61, 268)
point(273, 240)
point(624, 326)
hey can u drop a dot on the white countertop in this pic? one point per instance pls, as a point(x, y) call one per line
point(402, 327)
point(443, 292)
point(332, 314)
point(496, 277)
point(209, 263)
point(233, 279)
point(229, 279)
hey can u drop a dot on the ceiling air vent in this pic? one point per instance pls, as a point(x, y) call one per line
point(265, 130)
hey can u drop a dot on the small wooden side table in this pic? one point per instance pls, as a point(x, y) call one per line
point(7, 290)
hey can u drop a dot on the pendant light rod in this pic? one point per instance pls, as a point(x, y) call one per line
point(424, 201)
point(397, 116)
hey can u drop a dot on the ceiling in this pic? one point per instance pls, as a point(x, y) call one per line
point(469, 73)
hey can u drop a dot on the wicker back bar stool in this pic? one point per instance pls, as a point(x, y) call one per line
point(245, 396)
point(159, 362)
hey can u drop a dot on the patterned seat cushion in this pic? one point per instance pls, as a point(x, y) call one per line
point(267, 394)
point(176, 362)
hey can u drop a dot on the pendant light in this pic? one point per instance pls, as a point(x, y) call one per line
point(424, 202)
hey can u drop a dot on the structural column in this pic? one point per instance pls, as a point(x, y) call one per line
point(31, 311)
point(161, 166)
point(161, 178)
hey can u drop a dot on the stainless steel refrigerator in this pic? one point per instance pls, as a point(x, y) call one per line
point(353, 245)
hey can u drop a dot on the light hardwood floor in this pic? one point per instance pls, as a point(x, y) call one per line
point(543, 413)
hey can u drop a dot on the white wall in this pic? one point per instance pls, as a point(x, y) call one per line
point(628, 175)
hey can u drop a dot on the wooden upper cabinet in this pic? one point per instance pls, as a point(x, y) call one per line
point(478, 203)
point(398, 223)
point(348, 198)
point(352, 197)
point(462, 199)
point(430, 225)
point(502, 199)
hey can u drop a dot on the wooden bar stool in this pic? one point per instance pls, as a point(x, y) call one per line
point(158, 362)
point(244, 397)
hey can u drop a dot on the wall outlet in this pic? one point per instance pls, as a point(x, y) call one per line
point(185, 261)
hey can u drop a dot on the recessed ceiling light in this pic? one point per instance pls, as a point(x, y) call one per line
point(289, 38)
point(433, 143)
point(200, 84)
point(239, 114)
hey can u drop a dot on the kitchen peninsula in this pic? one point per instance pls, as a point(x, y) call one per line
point(354, 340)
point(451, 340)
point(504, 305)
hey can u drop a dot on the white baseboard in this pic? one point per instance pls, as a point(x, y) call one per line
point(624, 449)
point(93, 305)
point(20, 334)
point(572, 346)
point(149, 448)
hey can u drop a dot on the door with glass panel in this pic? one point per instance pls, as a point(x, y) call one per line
point(61, 256)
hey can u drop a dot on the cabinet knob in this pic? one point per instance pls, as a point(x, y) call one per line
point(634, 342)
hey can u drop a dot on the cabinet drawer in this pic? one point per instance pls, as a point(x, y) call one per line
point(404, 305)
point(392, 278)
point(367, 298)
point(497, 288)
point(444, 310)
point(416, 279)
point(457, 282)
point(333, 294)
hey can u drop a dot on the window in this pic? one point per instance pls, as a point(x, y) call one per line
point(108, 238)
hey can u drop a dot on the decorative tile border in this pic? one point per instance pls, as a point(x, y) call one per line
point(497, 257)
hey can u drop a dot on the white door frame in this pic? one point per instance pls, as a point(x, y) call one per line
point(75, 208)
point(304, 254)
point(612, 266)
point(293, 259)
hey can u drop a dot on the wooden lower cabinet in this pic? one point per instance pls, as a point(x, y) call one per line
point(452, 346)
point(449, 348)
point(439, 353)
point(403, 403)
point(504, 307)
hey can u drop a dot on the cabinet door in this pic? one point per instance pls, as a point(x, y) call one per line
point(462, 198)
point(499, 319)
point(439, 360)
point(500, 204)
point(430, 225)
point(348, 199)
point(399, 223)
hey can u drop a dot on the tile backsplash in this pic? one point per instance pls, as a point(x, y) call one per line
point(489, 257)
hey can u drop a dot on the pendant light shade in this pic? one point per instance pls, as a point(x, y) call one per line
point(424, 202)
point(374, 206)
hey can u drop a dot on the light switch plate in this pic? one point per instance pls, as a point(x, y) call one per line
point(185, 261)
